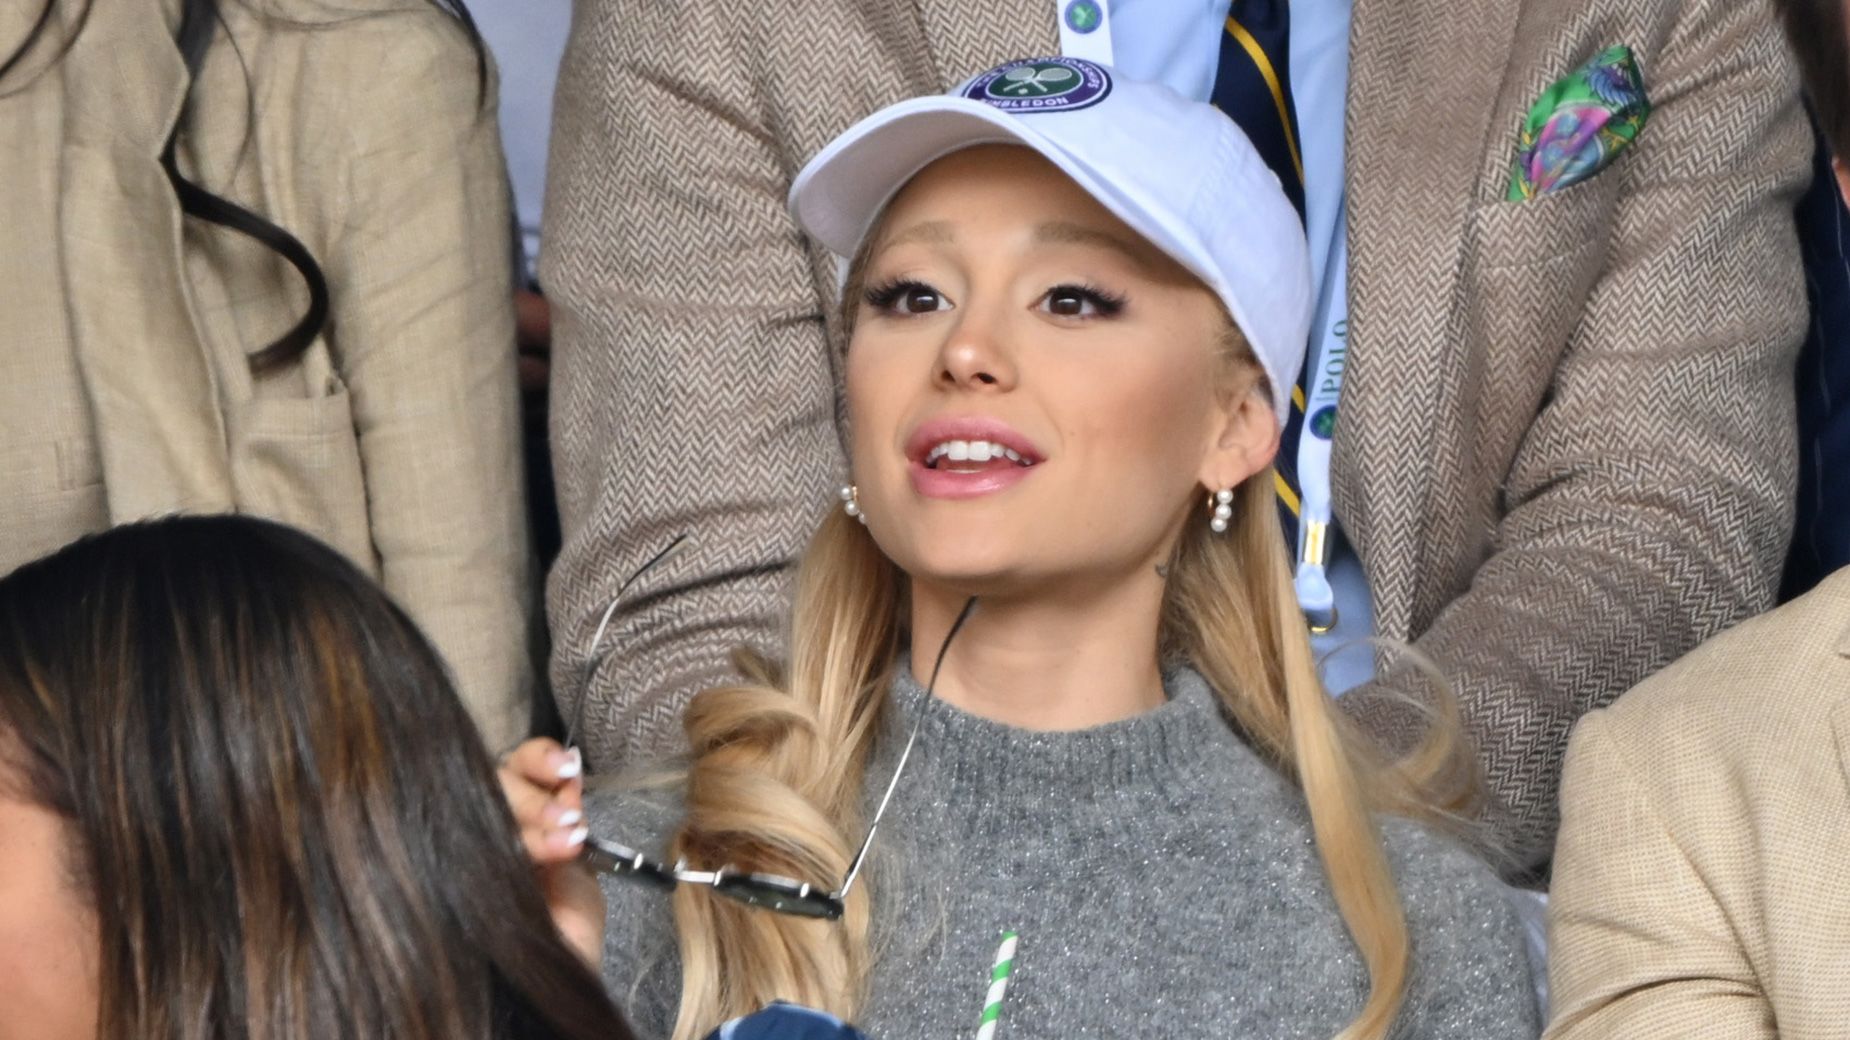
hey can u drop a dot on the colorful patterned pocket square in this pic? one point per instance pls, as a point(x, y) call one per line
point(1580, 125)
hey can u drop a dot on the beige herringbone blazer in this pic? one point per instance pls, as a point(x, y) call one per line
point(1566, 452)
point(356, 127)
point(1701, 890)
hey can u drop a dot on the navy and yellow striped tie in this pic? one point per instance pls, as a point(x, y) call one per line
point(1253, 86)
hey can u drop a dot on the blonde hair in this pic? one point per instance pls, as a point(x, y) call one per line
point(776, 775)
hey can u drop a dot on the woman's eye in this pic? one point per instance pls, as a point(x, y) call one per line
point(920, 300)
point(1075, 301)
point(906, 298)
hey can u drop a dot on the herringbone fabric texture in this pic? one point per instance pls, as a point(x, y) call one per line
point(1580, 464)
point(1566, 450)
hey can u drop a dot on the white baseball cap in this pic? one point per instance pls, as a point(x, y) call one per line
point(1178, 172)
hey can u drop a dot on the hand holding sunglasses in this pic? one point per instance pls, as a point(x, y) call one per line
point(546, 792)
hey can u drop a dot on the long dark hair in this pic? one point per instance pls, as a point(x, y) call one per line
point(200, 23)
point(280, 812)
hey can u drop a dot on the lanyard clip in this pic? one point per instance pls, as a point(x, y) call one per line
point(1312, 583)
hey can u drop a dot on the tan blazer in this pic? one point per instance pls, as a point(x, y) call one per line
point(1566, 452)
point(1702, 883)
point(395, 438)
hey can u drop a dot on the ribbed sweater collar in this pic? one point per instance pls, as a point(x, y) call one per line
point(964, 758)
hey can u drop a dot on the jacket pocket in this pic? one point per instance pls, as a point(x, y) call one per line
point(1534, 264)
point(1535, 231)
point(50, 492)
point(296, 460)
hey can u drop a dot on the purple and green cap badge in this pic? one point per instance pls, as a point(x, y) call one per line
point(1041, 85)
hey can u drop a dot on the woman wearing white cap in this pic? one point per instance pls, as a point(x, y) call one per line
point(1076, 306)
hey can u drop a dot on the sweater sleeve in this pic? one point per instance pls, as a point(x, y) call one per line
point(641, 961)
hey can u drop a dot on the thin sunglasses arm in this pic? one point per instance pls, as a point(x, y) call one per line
point(597, 639)
point(860, 857)
point(575, 726)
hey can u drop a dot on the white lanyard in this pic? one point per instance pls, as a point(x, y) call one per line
point(1323, 385)
point(1085, 29)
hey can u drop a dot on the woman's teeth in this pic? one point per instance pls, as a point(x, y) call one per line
point(972, 451)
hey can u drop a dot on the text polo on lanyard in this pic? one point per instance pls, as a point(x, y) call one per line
point(1253, 86)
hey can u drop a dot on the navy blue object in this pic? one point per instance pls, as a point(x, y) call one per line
point(781, 1021)
point(1243, 92)
point(1821, 539)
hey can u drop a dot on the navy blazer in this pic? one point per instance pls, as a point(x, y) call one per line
point(1821, 539)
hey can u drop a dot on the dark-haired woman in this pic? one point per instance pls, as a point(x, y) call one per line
point(256, 258)
point(239, 798)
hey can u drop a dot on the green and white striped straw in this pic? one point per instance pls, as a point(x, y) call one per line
point(998, 986)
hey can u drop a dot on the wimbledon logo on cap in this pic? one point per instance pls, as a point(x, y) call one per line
point(1041, 85)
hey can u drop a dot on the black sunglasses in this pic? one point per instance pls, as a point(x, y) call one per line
point(766, 891)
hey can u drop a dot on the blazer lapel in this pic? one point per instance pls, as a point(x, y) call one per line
point(144, 364)
point(965, 37)
point(1418, 128)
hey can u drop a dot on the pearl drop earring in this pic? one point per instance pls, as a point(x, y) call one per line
point(851, 502)
point(1222, 501)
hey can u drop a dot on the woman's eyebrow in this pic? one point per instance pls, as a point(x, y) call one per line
point(929, 232)
point(1061, 232)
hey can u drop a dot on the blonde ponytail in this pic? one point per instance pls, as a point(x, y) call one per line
point(1229, 596)
point(1232, 612)
point(774, 786)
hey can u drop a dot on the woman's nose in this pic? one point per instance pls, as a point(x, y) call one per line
point(974, 356)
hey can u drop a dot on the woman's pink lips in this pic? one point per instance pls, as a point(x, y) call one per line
point(969, 428)
point(945, 483)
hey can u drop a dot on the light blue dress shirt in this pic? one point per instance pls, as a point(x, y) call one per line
point(1175, 42)
point(1178, 42)
point(527, 38)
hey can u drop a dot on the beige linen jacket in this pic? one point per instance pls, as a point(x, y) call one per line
point(1700, 887)
point(395, 438)
point(1566, 451)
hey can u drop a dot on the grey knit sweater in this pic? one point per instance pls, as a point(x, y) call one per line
point(1161, 876)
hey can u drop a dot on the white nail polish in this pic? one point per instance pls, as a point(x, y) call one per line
point(577, 837)
point(571, 817)
point(574, 765)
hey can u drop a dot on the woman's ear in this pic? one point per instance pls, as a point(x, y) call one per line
point(1246, 441)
